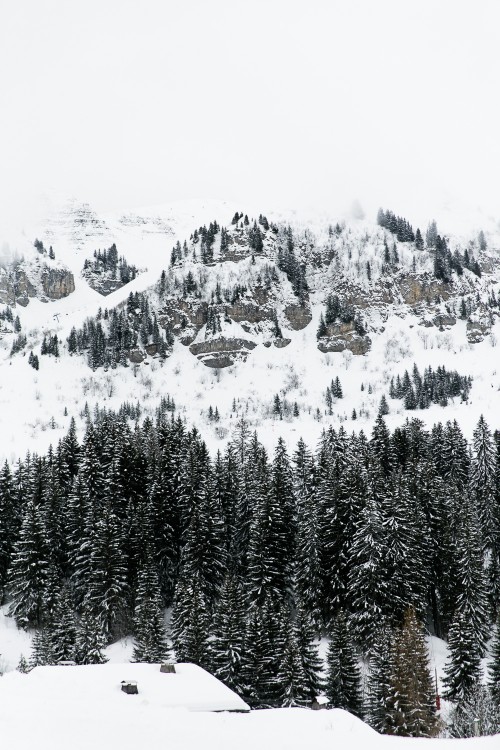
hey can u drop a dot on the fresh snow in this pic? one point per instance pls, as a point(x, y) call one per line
point(85, 709)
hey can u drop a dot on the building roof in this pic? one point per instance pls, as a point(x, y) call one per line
point(191, 687)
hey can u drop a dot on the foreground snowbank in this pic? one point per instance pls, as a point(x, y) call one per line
point(83, 708)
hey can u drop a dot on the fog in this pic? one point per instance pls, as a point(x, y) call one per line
point(125, 103)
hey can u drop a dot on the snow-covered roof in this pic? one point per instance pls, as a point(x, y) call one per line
point(191, 687)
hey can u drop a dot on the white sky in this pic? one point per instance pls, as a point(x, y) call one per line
point(278, 102)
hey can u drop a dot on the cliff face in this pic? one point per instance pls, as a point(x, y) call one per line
point(25, 281)
point(57, 283)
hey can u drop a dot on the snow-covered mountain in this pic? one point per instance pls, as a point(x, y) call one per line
point(238, 313)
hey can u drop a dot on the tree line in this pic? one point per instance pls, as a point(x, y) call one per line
point(366, 540)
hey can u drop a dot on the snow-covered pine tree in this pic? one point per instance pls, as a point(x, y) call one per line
point(367, 584)
point(494, 666)
point(293, 690)
point(226, 646)
point(307, 572)
point(463, 668)
point(482, 479)
point(343, 677)
point(29, 571)
point(411, 710)
point(107, 590)
point(379, 680)
point(43, 652)
point(190, 624)
point(477, 714)
point(90, 639)
point(150, 643)
point(312, 665)
point(471, 586)
point(63, 628)
point(9, 527)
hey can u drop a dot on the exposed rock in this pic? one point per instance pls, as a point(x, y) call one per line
point(57, 283)
point(444, 321)
point(19, 284)
point(7, 296)
point(222, 351)
point(136, 356)
point(103, 284)
point(251, 312)
point(298, 316)
point(352, 341)
point(179, 314)
point(423, 289)
point(281, 343)
point(341, 336)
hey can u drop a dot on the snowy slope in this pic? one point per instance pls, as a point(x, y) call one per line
point(35, 407)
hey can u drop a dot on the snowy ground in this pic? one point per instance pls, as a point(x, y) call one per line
point(44, 711)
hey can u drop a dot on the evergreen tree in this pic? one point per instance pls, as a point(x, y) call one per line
point(343, 679)
point(463, 668)
point(483, 473)
point(411, 702)
point(149, 628)
point(191, 621)
point(494, 667)
point(226, 647)
point(291, 677)
point(90, 639)
point(307, 560)
point(367, 584)
point(379, 680)
point(30, 569)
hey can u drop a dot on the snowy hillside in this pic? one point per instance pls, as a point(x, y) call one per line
point(399, 333)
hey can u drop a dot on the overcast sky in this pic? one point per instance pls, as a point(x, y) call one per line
point(132, 102)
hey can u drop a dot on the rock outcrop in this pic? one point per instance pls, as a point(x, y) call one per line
point(21, 283)
point(343, 336)
point(416, 289)
point(298, 316)
point(222, 351)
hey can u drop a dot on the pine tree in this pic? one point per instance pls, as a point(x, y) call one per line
point(107, 583)
point(30, 569)
point(291, 677)
point(149, 628)
point(471, 600)
point(63, 629)
point(23, 666)
point(379, 680)
point(308, 653)
point(90, 639)
point(191, 621)
point(494, 667)
point(9, 526)
point(477, 714)
point(463, 668)
point(483, 473)
point(343, 679)
point(411, 703)
point(43, 652)
point(307, 571)
point(226, 646)
point(367, 584)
